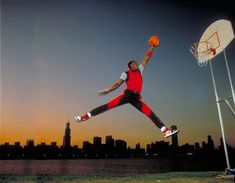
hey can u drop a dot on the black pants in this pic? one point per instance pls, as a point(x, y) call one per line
point(134, 99)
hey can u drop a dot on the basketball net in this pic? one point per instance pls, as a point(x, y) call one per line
point(202, 54)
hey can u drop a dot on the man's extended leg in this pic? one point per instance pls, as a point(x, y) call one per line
point(144, 108)
point(117, 101)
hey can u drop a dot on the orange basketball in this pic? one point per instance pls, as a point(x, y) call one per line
point(154, 41)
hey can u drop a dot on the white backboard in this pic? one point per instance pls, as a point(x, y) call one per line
point(217, 36)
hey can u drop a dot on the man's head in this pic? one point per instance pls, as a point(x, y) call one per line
point(133, 65)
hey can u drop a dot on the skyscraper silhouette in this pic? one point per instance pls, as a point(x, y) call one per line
point(97, 141)
point(30, 143)
point(174, 138)
point(67, 137)
point(120, 144)
point(210, 144)
point(109, 141)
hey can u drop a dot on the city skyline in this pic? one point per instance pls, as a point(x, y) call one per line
point(66, 141)
point(115, 148)
point(54, 143)
point(196, 145)
point(56, 55)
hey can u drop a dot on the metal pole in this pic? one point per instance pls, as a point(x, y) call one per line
point(229, 76)
point(220, 116)
point(230, 107)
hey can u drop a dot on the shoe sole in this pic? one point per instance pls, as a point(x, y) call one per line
point(77, 120)
point(175, 132)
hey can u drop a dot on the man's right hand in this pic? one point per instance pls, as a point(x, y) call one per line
point(103, 92)
point(113, 87)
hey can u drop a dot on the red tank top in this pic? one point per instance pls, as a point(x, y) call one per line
point(134, 81)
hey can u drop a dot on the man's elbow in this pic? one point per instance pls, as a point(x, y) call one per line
point(119, 83)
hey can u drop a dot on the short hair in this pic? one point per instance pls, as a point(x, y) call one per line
point(129, 63)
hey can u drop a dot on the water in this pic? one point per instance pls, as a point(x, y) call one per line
point(103, 166)
point(83, 166)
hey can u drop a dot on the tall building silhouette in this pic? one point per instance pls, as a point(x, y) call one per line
point(67, 136)
point(120, 144)
point(109, 141)
point(210, 144)
point(109, 145)
point(17, 144)
point(197, 147)
point(53, 144)
point(30, 143)
point(97, 141)
point(174, 138)
point(137, 146)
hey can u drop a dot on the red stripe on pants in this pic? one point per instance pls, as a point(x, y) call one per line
point(113, 103)
point(146, 109)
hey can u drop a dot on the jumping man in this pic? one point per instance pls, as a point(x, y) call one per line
point(131, 95)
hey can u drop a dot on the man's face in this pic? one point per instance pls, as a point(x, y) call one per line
point(134, 66)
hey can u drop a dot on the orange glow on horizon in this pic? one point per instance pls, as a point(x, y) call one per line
point(47, 132)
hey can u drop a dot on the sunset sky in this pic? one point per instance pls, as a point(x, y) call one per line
point(56, 55)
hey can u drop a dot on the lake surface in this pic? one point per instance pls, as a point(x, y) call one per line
point(83, 166)
point(98, 166)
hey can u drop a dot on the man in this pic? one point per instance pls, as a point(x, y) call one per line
point(131, 95)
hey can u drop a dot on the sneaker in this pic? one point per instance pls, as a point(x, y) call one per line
point(82, 118)
point(168, 132)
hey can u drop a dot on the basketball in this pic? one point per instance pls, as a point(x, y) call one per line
point(154, 41)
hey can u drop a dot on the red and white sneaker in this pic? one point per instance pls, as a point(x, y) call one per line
point(168, 132)
point(83, 117)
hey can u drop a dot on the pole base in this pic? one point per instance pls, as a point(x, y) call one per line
point(229, 174)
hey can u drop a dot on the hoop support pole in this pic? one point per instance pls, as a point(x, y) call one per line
point(229, 76)
point(230, 107)
point(220, 116)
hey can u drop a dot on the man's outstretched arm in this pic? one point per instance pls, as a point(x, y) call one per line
point(111, 88)
point(147, 56)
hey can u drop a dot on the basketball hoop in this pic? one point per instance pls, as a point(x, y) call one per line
point(213, 42)
point(202, 52)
